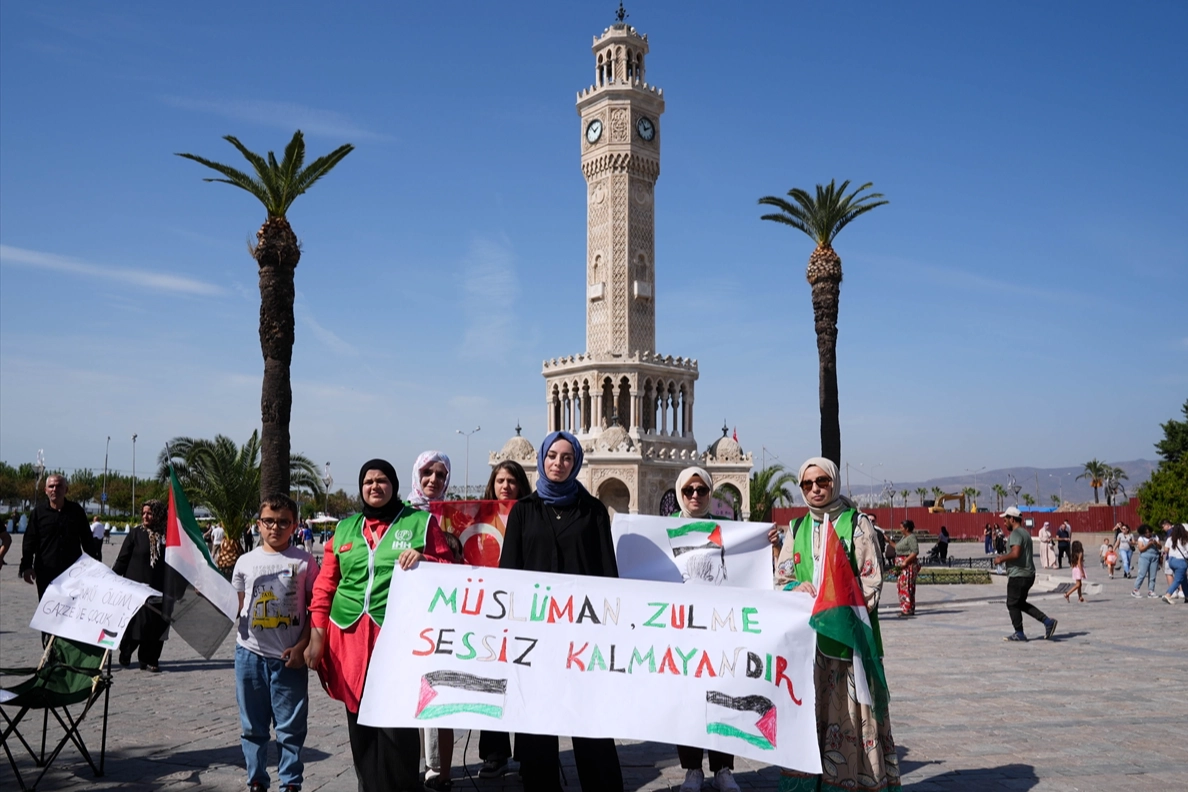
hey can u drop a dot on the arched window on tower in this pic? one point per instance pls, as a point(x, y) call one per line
point(624, 404)
point(684, 411)
point(608, 401)
point(630, 66)
point(585, 406)
point(555, 412)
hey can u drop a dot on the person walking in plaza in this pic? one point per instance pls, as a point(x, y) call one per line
point(1109, 558)
point(142, 558)
point(907, 559)
point(1076, 561)
point(1020, 565)
point(97, 531)
point(1148, 550)
point(1047, 546)
point(1177, 559)
point(694, 491)
point(864, 757)
point(430, 480)
point(508, 482)
point(1000, 542)
point(1123, 545)
point(942, 543)
point(562, 528)
point(988, 538)
point(1165, 529)
point(57, 534)
point(275, 584)
point(350, 598)
point(1063, 546)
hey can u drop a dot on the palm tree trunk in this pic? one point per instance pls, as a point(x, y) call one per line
point(277, 254)
point(826, 293)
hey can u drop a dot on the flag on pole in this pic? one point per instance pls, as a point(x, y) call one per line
point(202, 605)
point(839, 612)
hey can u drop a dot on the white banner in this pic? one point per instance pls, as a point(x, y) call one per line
point(723, 668)
point(646, 550)
point(90, 604)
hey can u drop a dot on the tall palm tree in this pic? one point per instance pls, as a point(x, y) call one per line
point(1113, 483)
point(1096, 471)
point(822, 218)
point(922, 494)
point(225, 478)
point(277, 251)
point(937, 492)
point(1000, 493)
point(769, 488)
point(904, 494)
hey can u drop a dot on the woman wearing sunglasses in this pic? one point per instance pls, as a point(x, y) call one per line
point(857, 749)
point(694, 488)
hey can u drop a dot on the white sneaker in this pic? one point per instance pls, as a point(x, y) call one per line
point(724, 781)
point(693, 781)
point(1179, 594)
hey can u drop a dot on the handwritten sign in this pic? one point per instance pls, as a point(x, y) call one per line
point(717, 667)
point(90, 604)
point(722, 552)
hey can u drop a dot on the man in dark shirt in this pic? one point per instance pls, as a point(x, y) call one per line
point(1063, 544)
point(58, 534)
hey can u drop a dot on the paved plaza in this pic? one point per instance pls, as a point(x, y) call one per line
point(1100, 707)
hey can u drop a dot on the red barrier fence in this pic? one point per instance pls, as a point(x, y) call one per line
point(966, 525)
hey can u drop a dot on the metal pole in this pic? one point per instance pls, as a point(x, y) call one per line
point(133, 472)
point(466, 490)
point(103, 500)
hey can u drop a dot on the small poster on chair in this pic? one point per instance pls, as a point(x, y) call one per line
point(90, 604)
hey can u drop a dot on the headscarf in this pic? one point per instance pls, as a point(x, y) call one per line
point(683, 479)
point(389, 510)
point(559, 493)
point(156, 528)
point(839, 503)
point(416, 496)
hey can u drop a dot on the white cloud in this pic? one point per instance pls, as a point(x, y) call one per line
point(327, 336)
point(147, 279)
point(285, 115)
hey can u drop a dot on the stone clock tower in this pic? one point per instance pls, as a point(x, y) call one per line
point(631, 408)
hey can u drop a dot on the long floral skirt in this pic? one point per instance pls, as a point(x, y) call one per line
point(857, 751)
point(907, 586)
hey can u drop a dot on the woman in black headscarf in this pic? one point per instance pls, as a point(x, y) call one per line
point(562, 528)
point(142, 558)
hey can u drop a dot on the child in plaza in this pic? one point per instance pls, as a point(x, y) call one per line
point(275, 584)
point(1076, 559)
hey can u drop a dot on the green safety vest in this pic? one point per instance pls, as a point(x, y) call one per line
point(802, 547)
point(366, 574)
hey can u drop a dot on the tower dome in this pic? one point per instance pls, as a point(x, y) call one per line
point(518, 448)
point(725, 448)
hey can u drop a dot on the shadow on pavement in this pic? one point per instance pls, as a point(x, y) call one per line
point(988, 779)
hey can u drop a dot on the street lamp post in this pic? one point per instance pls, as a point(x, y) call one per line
point(134, 472)
point(466, 491)
point(328, 480)
point(103, 498)
point(39, 468)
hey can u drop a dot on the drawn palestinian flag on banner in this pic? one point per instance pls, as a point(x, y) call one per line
point(452, 692)
point(839, 612)
point(106, 637)
point(699, 552)
point(200, 603)
point(749, 718)
point(478, 525)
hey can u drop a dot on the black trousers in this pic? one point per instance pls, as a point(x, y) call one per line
point(386, 760)
point(691, 759)
point(597, 763)
point(1062, 553)
point(148, 654)
point(1017, 604)
point(494, 745)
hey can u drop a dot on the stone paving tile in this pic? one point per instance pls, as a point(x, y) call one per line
point(1098, 708)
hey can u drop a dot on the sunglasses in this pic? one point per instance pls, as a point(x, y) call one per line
point(700, 492)
point(821, 481)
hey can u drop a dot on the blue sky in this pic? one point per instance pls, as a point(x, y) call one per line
point(1019, 302)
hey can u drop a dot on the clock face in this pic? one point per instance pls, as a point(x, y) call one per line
point(645, 127)
point(594, 131)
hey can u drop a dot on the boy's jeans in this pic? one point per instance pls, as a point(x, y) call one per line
point(267, 692)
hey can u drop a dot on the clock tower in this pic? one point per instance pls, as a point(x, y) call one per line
point(630, 407)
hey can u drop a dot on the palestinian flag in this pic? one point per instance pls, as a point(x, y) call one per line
point(453, 692)
point(748, 718)
point(698, 550)
point(200, 603)
point(839, 612)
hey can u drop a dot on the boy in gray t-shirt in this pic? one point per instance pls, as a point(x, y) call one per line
point(275, 584)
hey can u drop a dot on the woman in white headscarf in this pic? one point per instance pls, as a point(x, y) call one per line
point(1047, 548)
point(857, 749)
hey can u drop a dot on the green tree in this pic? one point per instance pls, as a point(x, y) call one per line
point(937, 492)
point(277, 251)
point(1113, 483)
point(1055, 500)
point(1164, 496)
point(83, 485)
point(1000, 493)
point(225, 478)
point(921, 493)
point(769, 488)
point(904, 494)
point(1028, 499)
point(1174, 445)
point(822, 218)
point(1096, 471)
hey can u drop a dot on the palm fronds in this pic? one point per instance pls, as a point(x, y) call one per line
point(825, 215)
point(769, 488)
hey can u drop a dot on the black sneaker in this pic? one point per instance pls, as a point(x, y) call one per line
point(493, 767)
point(256, 786)
point(1016, 637)
point(1049, 629)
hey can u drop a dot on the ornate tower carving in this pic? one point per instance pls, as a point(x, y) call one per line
point(620, 136)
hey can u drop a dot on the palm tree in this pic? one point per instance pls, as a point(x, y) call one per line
point(1027, 499)
point(1096, 471)
point(769, 488)
point(1000, 493)
point(1113, 483)
point(922, 494)
point(937, 492)
point(225, 478)
point(822, 218)
point(1056, 501)
point(904, 494)
point(276, 252)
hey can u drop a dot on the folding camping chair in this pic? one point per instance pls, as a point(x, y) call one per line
point(69, 673)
